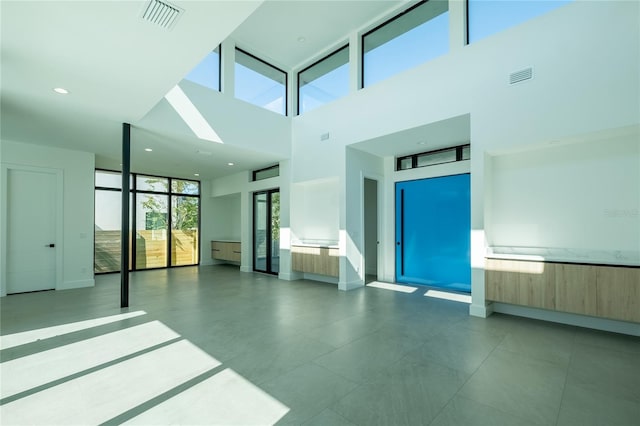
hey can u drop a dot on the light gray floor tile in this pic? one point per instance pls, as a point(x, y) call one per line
point(465, 412)
point(525, 387)
point(328, 418)
point(268, 362)
point(307, 391)
point(496, 323)
point(339, 333)
point(403, 394)
point(457, 347)
point(606, 371)
point(614, 341)
point(367, 356)
point(548, 342)
point(582, 407)
point(392, 357)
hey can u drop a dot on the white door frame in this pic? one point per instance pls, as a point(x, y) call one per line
point(4, 222)
point(379, 179)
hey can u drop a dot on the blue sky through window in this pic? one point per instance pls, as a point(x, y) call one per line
point(265, 86)
point(487, 17)
point(327, 88)
point(324, 81)
point(207, 72)
point(259, 90)
point(416, 46)
point(259, 83)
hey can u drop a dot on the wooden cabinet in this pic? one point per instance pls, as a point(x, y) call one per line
point(315, 260)
point(576, 288)
point(520, 283)
point(226, 250)
point(618, 293)
point(596, 290)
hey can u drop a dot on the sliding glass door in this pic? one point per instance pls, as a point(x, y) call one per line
point(165, 219)
point(266, 231)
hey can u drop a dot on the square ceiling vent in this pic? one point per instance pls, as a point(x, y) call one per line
point(161, 13)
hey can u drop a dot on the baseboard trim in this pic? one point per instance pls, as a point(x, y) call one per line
point(603, 324)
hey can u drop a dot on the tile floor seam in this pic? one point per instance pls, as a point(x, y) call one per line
point(532, 357)
point(566, 379)
point(184, 301)
point(342, 376)
point(467, 381)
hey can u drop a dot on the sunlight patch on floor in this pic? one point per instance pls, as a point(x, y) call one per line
point(226, 398)
point(17, 339)
point(456, 297)
point(394, 287)
point(109, 392)
point(31, 371)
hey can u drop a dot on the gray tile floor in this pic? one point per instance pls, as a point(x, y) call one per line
point(211, 345)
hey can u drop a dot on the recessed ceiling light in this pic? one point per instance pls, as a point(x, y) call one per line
point(230, 164)
point(301, 39)
point(422, 143)
point(148, 149)
point(61, 91)
point(196, 174)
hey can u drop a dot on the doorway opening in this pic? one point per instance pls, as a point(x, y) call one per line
point(371, 241)
point(266, 231)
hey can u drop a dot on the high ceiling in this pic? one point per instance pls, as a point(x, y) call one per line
point(118, 67)
point(290, 33)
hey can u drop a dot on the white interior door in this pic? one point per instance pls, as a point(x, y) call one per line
point(31, 230)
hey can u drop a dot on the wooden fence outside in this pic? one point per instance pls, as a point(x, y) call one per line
point(151, 249)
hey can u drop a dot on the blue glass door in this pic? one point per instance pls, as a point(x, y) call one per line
point(433, 232)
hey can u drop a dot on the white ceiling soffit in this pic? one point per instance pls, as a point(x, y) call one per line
point(178, 156)
point(290, 33)
point(440, 134)
point(115, 65)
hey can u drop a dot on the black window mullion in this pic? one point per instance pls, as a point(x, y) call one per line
point(169, 223)
point(132, 225)
point(133, 193)
point(267, 236)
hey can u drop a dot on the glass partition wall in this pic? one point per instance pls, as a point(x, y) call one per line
point(165, 219)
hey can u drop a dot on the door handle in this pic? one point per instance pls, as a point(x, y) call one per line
point(50, 245)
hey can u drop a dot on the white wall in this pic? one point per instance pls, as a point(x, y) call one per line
point(78, 208)
point(359, 165)
point(583, 196)
point(219, 115)
point(581, 85)
point(220, 219)
point(226, 191)
point(315, 210)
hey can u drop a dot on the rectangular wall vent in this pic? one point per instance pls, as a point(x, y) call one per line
point(161, 13)
point(522, 75)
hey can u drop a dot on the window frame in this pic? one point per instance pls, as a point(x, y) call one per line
point(468, 28)
point(335, 52)
point(219, 49)
point(286, 77)
point(376, 28)
point(459, 156)
point(254, 173)
point(133, 191)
